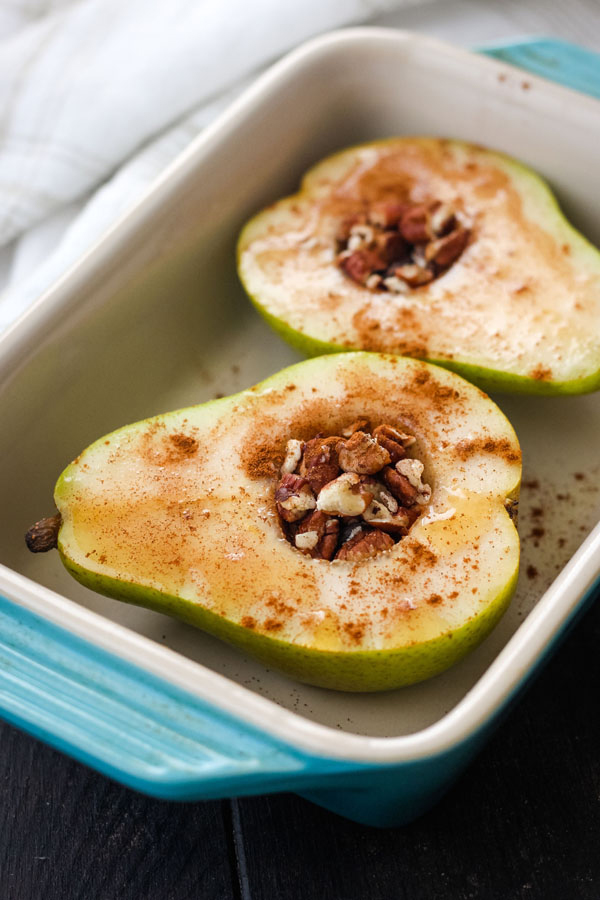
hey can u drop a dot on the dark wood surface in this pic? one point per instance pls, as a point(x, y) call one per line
point(523, 822)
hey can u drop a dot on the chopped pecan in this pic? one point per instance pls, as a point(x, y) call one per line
point(400, 487)
point(362, 454)
point(317, 535)
point(294, 497)
point(320, 461)
point(293, 456)
point(446, 250)
point(306, 540)
point(414, 224)
point(412, 469)
point(388, 500)
point(383, 512)
point(345, 228)
point(413, 275)
point(390, 440)
point(362, 237)
point(396, 285)
point(364, 544)
point(396, 246)
point(359, 425)
point(442, 219)
point(314, 521)
point(374, 281)
point(386, 213)
point(391, 246)
point(407, 439)
point(380, 517)
point(360, 264)
point(328, 544)
point(343, 492)
point(345, 496)
point(320, 475)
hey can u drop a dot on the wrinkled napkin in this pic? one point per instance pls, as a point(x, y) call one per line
point(98, 96)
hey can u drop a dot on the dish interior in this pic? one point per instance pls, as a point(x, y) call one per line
point(161, 322)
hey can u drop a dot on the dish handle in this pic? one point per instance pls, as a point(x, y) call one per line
point(134, 726)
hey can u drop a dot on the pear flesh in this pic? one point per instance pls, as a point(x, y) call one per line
point(518, 310)
point(177, 513)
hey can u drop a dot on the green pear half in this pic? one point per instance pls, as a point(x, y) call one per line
point(177, 513)
point(518, 311)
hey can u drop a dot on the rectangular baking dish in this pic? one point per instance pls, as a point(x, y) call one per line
point(153, 318)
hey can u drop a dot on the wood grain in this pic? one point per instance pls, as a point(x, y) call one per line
point(70, 834)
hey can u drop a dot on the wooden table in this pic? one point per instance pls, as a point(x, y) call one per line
point(524, 822)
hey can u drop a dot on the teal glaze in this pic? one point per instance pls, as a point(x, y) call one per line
point(128, 723)
point(163, 741)
point(389, 796)
point(556, 60)
point(156, 738)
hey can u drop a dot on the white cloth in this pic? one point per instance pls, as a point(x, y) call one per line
point(88, 89)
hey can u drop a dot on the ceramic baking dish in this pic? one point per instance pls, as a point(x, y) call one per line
point(153, 319)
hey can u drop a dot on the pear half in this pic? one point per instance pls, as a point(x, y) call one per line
point(177, 513)
point(518, 311)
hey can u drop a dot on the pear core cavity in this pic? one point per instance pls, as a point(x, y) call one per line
point(350, 496)
point(395, 245)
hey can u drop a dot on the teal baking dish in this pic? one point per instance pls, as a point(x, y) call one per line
point(153, 318)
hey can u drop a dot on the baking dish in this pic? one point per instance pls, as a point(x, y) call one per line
point(153, 318)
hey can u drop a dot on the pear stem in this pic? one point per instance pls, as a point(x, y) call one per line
point(43, 536)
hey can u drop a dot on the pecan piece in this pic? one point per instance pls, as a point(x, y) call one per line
point(383, 513)
point(359, 425)
point(364, 544)
point(317, 535)
point(293, 455)
point(413, 275)
point(401, 488)
point(390, 440)
point(401, 523)
point(379, 517)
point(362, 454)
point(294, 497)
point(395, 285)
point(306, 540)
point(348, 489)
point(412, 469)
point(328, 544)
point(361, 264)
point(345, 228)
point(374, 282)
point(362, 237)
point(386, 213)
point(390, 246)
point(320, 461)
point(345, 496)
point(446, 250)
point(442, 219)
point(414, 224)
